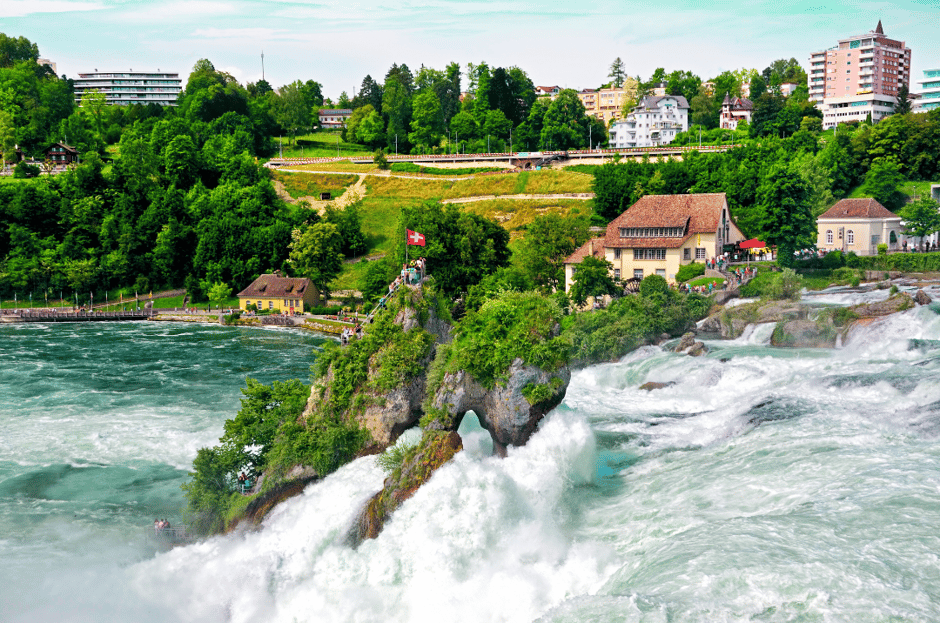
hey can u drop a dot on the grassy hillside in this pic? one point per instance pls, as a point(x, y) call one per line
point(300, 185)
point(386, 196)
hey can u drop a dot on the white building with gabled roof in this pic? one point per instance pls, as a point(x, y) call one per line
point(654, 121)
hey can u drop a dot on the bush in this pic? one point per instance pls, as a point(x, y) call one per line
point(690, 271)
point(833, 260)
point(882, 249)
point(786, 285)
point(654, 287)
point(380, 160)
point(24, 170)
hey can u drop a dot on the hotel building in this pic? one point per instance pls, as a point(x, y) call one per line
point(124, 88)
point(929, 91)
point(859, 77)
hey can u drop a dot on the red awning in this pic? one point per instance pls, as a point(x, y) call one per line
point(753, 243)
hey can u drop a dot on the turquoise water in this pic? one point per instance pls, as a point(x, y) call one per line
point(764, 485)
point(99, 424)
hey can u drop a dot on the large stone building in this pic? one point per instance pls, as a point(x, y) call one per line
point(660, 233)
point(859, 77)
point(858, 225)
point(654, 121)
point(125, 88)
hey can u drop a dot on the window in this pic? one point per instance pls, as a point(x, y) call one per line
point(850, 237)
point(649, 254)
point(661, 272)
point(270, 304)
point(699, 253)
point(637, 273)
point(616, 273)
point(616, 254)
point(687, 254)
point(828, 236)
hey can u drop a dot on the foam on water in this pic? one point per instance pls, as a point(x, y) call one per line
point(762, 484)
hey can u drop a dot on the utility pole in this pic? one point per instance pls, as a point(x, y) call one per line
point(262, 64)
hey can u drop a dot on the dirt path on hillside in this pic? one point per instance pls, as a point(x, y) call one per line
point(352, 194)
point(579, 196)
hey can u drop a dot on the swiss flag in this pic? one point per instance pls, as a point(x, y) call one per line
point(415, 238)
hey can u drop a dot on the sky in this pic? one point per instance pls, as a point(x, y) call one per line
point(556, 42)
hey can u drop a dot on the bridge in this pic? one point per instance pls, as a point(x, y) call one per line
point(54, 315)
point(521, 160)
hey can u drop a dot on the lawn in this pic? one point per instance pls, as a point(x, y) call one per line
point(300, 185)
point(342, 166)
point(323, 144)
point(515, 214)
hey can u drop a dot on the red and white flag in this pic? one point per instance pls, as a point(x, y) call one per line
point(414, 238)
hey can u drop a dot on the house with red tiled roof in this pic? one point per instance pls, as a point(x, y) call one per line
point(858, 225)
point(282, 294)
point(660, 233)
point(733, 111)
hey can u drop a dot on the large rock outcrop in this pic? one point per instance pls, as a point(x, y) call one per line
point(510, 411)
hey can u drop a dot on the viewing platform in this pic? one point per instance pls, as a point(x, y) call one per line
point(53, 315)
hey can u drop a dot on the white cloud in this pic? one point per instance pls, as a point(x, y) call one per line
point(180, 10)
point(237, 33)
point(22, 8)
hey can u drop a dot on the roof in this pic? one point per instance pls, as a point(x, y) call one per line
point(594, 246)
point(737, 103)
point(697, 214)
point(652, 101)
point(858, 208)
point(336, 111)
point(65, 147)
point(273, 286)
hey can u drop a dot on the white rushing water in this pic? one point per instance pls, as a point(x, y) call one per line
point(762, 485)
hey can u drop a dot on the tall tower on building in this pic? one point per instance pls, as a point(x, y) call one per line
point(858, 77)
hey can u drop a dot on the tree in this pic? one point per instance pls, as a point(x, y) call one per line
point(315, 253)
point(94, 103)
point(882, 182)
point(396, 106)
point(549, 240)
point(592, 278)
point(14, 50)
point(783, 200)
point(426, 121)
point(617, 73)
point(903, 105)
point(921, 217)
point(565, 126)
point(292, 111)
point(219, 292)
point(461, 248)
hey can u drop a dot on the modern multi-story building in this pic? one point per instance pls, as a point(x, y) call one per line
point(859, 77)
point(124, 88)
point(605, 104)
point(654, 121)
point(929, 91)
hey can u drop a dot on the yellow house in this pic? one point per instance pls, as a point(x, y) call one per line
point(660, 233)
point(282, 294)
point(858, 225)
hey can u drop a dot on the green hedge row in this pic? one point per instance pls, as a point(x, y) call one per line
point(410, 167)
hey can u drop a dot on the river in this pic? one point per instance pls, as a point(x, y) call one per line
point(763, 485)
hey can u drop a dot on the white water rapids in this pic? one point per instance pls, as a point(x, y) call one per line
point(763, 485)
